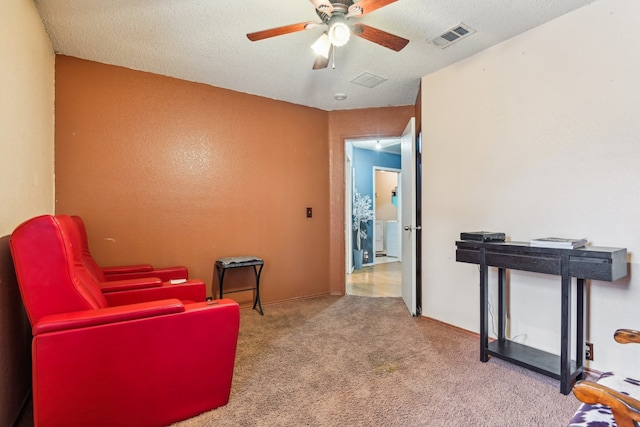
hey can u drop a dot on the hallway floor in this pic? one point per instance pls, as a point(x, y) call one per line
point(383, 279)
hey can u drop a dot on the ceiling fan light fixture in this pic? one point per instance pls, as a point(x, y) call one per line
point(322, 46)
point(339, 31)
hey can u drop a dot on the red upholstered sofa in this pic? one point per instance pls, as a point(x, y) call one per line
point(138, 357)
point(124, 271)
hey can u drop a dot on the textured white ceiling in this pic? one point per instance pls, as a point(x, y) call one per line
point(204, 41)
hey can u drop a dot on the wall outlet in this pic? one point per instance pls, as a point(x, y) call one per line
point(588, 351)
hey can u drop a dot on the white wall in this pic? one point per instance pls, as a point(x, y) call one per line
point(538, 136)
point(26, 115)
point(26, 176)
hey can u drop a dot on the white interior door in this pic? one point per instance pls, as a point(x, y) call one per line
point(408, 216)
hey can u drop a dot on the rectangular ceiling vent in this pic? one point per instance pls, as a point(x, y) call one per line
point(368, 80)
point(452, 35)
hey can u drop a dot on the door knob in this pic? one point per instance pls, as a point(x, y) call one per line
point(410, 227)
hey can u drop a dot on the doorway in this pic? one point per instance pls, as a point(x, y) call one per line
point(372, 167)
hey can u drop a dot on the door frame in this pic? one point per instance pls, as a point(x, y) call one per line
point(418, 183)
point(349, 172)
point(349, 189)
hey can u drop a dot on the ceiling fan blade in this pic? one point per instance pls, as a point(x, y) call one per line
point(367, 6)
point(322, 62)
point(279, 31)
point(324, 6)
point(380, 37)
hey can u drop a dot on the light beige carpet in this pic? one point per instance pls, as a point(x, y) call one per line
point(359, 361)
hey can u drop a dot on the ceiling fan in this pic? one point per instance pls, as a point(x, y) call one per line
point(336, 16)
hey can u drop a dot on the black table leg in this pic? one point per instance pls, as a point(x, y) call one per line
point(220, 272)
point(502, 304)
point(484, 307)
point(580, 324)
point(565, 334)
point(257, 298)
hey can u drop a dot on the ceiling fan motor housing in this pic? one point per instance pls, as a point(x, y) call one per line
point(339, 7)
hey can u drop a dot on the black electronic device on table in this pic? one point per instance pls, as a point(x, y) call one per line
point(482, 236)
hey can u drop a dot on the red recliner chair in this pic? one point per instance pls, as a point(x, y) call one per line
point(120, 358)
point(192, 290)
point(125, 271)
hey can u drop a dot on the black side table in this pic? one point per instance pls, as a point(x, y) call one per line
point(222, 264)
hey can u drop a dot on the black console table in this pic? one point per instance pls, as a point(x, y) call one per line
point(597, 263)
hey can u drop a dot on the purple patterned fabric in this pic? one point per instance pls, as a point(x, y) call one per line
point(593, 416)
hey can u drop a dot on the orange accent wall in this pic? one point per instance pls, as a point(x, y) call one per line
point(171, 172)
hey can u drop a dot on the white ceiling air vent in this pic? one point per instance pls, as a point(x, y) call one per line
point(452, 35)
point(368, 80)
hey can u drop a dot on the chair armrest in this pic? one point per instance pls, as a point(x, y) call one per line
point(86, 318)
point(192, 290)
point(626, 336)
point(625, 408)
point(127, 268)
point(131, 284)
point(165, 274)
